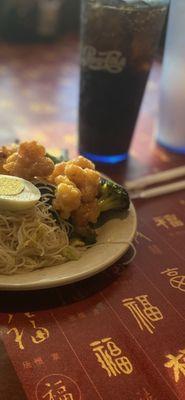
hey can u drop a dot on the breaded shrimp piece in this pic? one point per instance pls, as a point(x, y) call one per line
point(29, 161)
point(79, 161)
point(68, 199)
point(87, 212)
point(82, 162)
point(87, 180)
point(5, 152)
point(59, 169)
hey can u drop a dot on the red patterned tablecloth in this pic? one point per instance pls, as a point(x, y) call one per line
point(118, 335)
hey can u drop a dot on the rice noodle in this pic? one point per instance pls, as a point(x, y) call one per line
point(32, 239)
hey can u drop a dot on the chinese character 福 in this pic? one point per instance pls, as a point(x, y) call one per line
point(40, 334)
point(145, 316)
point(176, 281)
point(168, 220)
point(56, 391)
point(109, 355)
point(177, 363)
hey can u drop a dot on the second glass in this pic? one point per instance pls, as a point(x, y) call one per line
point(118, 42)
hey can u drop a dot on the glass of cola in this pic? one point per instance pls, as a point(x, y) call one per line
point(118, 43)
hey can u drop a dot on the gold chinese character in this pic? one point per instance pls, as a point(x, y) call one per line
point(18, 337)
point(40, 333)
point(173, 220)
point(177, 363)
point(57, 387)
point(176, 281)
point(10, 317)
point(168, 220)
point(146, 316)
point(29, 315)
point(56, 391)
point(109, 355)
point(160, 221)
point(170, 272)
point(142, 236)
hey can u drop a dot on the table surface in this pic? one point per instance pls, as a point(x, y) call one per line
point(118, 335)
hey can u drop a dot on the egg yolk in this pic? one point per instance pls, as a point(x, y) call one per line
point(9, 187)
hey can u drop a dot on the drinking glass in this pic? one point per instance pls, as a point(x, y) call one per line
point(118, 42)
point(170, 130)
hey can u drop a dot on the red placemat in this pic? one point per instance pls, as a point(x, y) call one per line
point(120, 334)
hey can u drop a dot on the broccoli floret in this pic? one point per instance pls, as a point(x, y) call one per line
point(112, 196)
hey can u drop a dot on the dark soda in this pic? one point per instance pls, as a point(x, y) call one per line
point(118, 41)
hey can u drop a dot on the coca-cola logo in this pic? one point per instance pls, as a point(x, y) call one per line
point(111, 61)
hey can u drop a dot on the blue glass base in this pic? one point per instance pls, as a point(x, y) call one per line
point(109, 159)
point(178, 150)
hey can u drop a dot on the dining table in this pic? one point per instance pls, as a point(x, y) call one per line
point(119, 334)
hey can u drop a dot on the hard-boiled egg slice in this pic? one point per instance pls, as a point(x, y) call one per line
point(17, 193)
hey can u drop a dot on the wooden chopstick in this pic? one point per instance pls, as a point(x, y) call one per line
point(155, 178)
point(159, 190)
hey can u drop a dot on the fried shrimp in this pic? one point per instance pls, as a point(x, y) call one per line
point(78, 182)
point(5, 152)
point(29, 161)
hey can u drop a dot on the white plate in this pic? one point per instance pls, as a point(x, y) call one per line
point(121, 227)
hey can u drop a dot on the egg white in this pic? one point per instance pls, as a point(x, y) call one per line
point(26, 199)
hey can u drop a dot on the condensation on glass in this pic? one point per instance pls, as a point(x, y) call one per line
point(118, 42)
